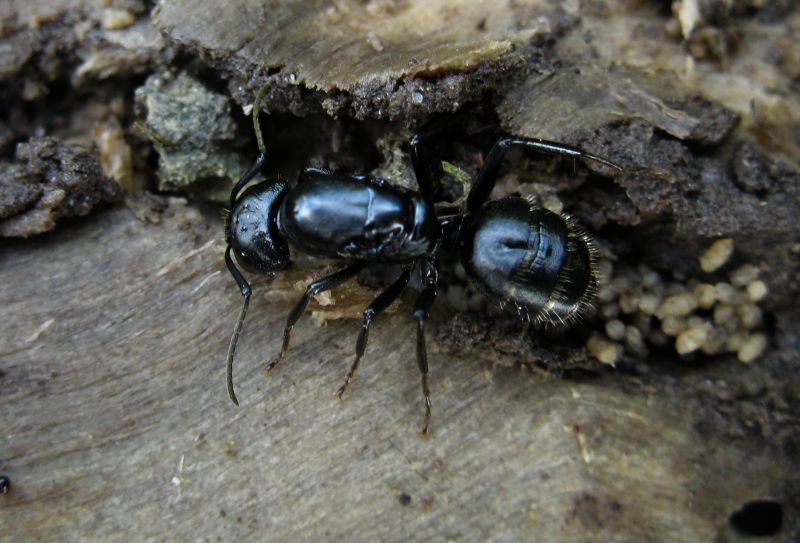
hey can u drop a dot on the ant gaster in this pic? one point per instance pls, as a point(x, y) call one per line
point(535, 261)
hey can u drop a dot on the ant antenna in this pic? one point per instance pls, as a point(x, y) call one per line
point(232, 349)
point(244, 286)
point(256, 125)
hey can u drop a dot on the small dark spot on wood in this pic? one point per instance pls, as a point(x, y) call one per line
point(758, 518)
point(594, 512)
point(5, 484)
point(404, 499)
point(230, 452)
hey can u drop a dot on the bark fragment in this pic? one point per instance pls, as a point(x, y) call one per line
point(194, 134)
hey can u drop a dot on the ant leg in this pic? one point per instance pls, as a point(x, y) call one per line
point(325, 283)
point(428, 172)
point(380, 303)
point(484, 183)
point(421, 308)
point(244, 287)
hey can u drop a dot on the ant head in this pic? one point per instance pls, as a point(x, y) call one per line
point(252, 230)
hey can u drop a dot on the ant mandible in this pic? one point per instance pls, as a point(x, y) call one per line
point(535, 261)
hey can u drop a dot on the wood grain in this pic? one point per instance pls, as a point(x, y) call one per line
point(116, 424)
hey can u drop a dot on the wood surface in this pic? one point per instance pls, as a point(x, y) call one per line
point(116, 424)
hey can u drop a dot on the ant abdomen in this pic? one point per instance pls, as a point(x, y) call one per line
point(532, 260)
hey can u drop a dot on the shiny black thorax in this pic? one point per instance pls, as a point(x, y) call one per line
point(337, 216)
point(330, 215)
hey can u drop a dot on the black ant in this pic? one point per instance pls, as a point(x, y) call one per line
point(535, 261)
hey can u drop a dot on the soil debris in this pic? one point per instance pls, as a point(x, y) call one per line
point(49, 181)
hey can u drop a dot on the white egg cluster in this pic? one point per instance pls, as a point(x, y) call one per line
point(642, 309)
